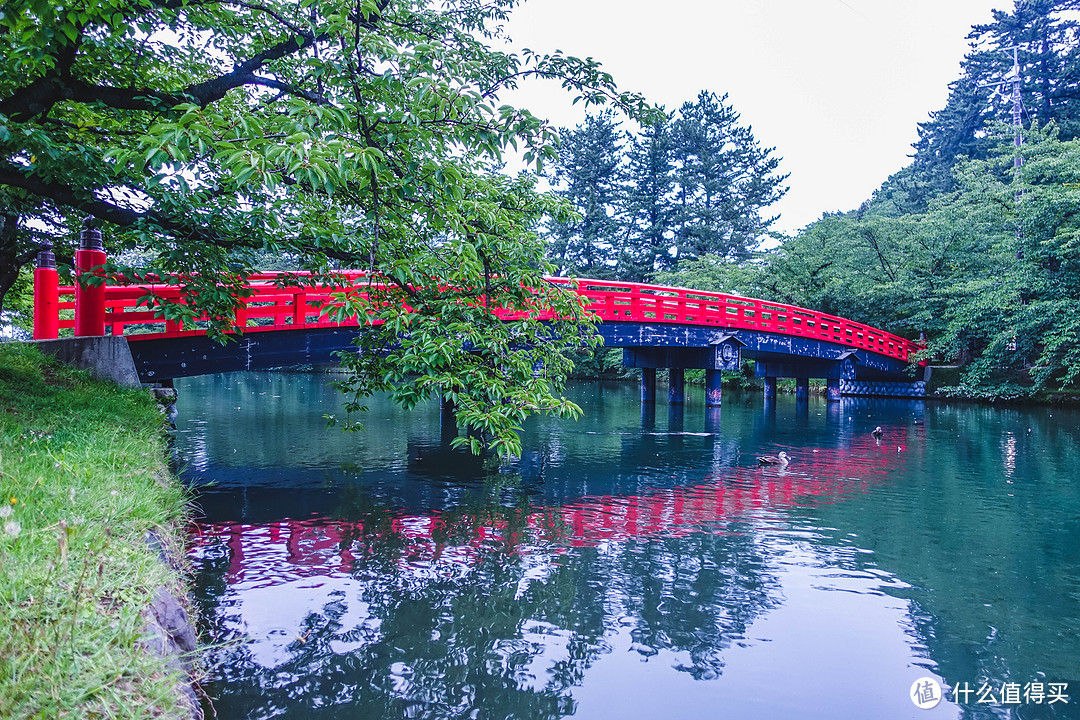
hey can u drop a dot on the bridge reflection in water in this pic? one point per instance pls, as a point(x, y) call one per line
point(314, 545)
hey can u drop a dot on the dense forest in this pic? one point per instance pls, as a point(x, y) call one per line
point(975, 243)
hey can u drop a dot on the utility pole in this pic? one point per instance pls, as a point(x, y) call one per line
point(1018, 140)
point(1017, 108)
point(1014, 78)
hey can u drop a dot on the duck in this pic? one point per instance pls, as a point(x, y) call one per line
point(781, 459)
point(878, 432)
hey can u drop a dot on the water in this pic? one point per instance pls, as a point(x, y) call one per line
point(633, 567)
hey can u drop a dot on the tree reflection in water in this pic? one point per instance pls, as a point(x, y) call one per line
point(482, 610)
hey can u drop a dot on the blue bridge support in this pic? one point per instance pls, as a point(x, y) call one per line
point(648, 346)
point(845, 370)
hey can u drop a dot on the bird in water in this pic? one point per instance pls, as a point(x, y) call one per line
point(781, 459)
point(877, 432)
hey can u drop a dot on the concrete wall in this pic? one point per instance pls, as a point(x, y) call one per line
point(107, 357)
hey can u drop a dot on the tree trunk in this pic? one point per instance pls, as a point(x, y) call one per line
point(11, 260)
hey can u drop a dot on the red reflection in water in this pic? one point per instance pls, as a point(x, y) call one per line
point(292, 548)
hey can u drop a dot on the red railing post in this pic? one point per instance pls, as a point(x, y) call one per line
point(89, 299)
point(46, 295)
point(300, 308)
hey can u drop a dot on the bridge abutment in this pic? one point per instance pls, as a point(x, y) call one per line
point(105, 357)
point(883, 388)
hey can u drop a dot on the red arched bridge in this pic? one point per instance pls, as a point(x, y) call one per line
point(282, 323)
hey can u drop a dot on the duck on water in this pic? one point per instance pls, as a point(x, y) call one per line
point(780, 459)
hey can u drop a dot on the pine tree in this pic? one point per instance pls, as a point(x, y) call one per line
point(682, 188)
point(588, 174)
point(724, 181)
point(650, 204)
point(1045, 34)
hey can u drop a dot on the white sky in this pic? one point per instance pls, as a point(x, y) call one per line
point(836, 86)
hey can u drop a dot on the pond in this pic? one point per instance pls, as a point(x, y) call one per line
point(634, 564)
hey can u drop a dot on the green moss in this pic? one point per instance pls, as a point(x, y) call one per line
point(82, 479)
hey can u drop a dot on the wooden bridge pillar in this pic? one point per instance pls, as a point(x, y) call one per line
point(770, 387)
point(713, 390)
point(676, 386)
point(89, 299)
point(675, 417)
point(834, 414)
point(713, 417)
point(46, 295)
point(832, 390)
point(648, 416)
point(802, 388)
point(648, 386)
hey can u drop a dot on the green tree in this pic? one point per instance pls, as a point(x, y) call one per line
point(990, 272)
point(719, 274)
point(1016, 314)
point(961, 245)
point(1044, 35)
point(681, 189)
point(725, 181)
point(588, 174)
point(649, 203)
point(352, 134)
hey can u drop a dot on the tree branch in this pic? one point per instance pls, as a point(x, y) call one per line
point(313, 98)
point(65, 195)
point(39, 96)
point(124, 217)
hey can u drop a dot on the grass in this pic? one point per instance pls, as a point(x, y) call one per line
point(83, 478)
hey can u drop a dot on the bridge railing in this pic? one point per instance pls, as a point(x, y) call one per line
point(276, 304)
point(638, 302)
point(270, 306)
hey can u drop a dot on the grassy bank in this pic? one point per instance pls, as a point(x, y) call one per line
point(82, 479)
point(948, 382)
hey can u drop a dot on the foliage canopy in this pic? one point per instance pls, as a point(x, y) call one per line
point(360, 134)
